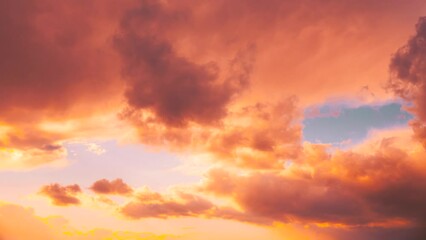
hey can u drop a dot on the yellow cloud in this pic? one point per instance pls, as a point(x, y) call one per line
point(36, 228)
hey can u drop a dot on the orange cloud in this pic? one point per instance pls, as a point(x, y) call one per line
point(181, 68)
point(26, 147)
point(261, 136)
point(116, 186)
point(37, 228)
point(302, 48)
point(210, 77)
point(168, 50)
point(50, 67)
point(62, 195)
point(377, 183)
point(54, 57)
point(375, 189)
point(150, 204)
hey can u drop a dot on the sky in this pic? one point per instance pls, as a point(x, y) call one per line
point(189, 120)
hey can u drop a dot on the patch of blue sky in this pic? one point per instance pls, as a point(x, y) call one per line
point(344, 125)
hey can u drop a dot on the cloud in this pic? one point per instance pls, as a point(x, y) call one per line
point(62, 195)
point(53, 58)
point(31, 227)
point(316, 36)
point(186, 66)
point(37, 228)
point(116, 186)
point(28, 158)
point(408, 79)
point(370, 186)
point(154, 205)
point(95, 148)
point(183, 87)
point(263, 136)
point(27, 147)
point(49, 66)
point(175, 89)
point(208, 77)
point(259, 136)
point(58, 55)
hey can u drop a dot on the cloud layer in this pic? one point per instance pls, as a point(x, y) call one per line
point(379, 185)
point(225, 82)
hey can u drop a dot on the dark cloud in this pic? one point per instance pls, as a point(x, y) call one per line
point(374, 233)
point(407, 64)
point(62, 195)
point(51, 60)
point(116, 186)
point(174, 88)
point(408, 76)
point(54, 56)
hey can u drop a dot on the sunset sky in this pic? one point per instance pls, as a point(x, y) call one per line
point(212, 120)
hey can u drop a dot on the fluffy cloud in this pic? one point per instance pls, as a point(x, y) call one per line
point(408, 79)
point(263, 136)
point(260, 136)
point(373, 190)
point(62, 195)
point(378, 185)
point(175, 89)
point(116, 186)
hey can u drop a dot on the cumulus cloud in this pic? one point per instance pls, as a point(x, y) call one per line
point(259, 136)
point(263, 136)
point(408, 79)
point(62, 195)
point(51, 67)
point(373, 190)
point(116, 186)
point(380, 185)
point(175, 89)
